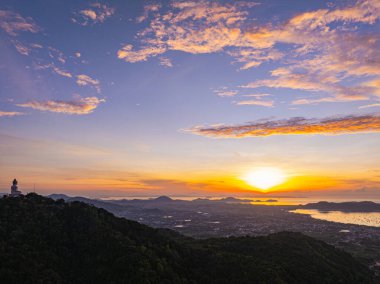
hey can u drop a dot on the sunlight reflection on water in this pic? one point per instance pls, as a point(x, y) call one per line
point(362, 218)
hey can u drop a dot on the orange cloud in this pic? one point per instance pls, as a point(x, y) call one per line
point(328, 55)
point(294, 126)
point(327, 43)
point(10, 113)
point(189, 26)
point(149, 8)
point(84, 80)
point(204, 27)
point(77, 106)
point(128, 54)
point(96, 13)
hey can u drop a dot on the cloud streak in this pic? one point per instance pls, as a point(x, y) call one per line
point(78, 106)
point(350, 124)
point(255, 103)
point(61, 72)
point(22, 49)
point(10, 113)
point(85, 80)
point(225, 92)
point(370, 105)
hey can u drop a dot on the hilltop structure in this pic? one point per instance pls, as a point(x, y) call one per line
point(14, 189)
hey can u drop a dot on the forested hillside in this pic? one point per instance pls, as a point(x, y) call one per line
point(47, 241)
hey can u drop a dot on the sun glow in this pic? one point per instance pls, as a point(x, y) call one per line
point(265, 178)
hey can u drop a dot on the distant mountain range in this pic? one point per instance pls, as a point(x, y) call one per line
point(48, 241)
point(362, 206)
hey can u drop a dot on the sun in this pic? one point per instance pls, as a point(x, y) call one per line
point(265, 178)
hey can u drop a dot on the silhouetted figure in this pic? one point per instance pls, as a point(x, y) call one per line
point(14, 189)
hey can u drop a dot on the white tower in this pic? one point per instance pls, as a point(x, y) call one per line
point(14, 189)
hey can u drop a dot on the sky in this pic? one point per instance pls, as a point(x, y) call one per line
point(185, 98)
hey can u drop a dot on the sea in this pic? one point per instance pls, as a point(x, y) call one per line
point(357, 218)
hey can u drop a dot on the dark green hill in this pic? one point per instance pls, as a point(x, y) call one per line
point(47, 241)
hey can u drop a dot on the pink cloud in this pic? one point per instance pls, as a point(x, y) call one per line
point(78, 106)
point(255, 103)
point(13, 23)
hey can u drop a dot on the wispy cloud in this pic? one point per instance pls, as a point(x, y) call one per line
point(336, 99)
point(77, 106)
point(206, 26)
point(148, 9)
point(13, 23)
point(10, 113)
point(256, 100)
point(85, 80)
point(225, 92)
point(255, 103)
point(329, 49)
point(308, 80)
point(370, 105)
point(250, 58)
point(350, 124)
point(164, 61)
point(325, 47)
point(21, 48)
point(128, 54)
point(96, 13)
point(189, 26)
point(25, 48)
point(57, 55)
point(62, 72)
point(55, 69)
point(257, 96)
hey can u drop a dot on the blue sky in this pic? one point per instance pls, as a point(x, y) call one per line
point(183, 97)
